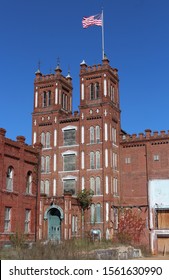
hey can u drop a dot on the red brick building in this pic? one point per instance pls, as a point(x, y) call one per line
point(88, 149)
point(19, 195)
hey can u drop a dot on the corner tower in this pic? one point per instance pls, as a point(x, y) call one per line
point(100, 130)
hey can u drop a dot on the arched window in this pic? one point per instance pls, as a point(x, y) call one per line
point(97, 134)
point(48, 140)
point(91, 135)
point(29, 182)
point(47, 164)
point(91, 160)
point(92, 184)
point(96, 90)
point(91, 91)
point(92, 215)
point(98, 213)
point(42, 164)
point(43, 139)
point(44, 99)
point(98, 187)
point(9, 178)
point(49, 98)
point(97, 160)
point(42, 187)
point(47, 187)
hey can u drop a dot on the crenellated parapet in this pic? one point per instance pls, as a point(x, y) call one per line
point(89, 69)
point(147, 135)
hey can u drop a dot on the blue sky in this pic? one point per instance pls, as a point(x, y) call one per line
point(136, 42)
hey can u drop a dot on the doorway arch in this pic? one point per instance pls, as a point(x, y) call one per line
point(54, 215)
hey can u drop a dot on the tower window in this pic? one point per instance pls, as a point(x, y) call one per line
point(46, 99)
point(94, 91)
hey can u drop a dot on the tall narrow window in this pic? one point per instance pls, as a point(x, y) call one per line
point(47, 187)
point(42, 164)
point(91, 160)
point(48, 140)
point(43, 139)
point(7, 222)
point(42, 187)
point(29, 182)
point(27, 220)
point(9, 179)
point(47, 164)
point(44, 99)
point(114, 135)
point(97, 134)
point(98, 186)
point(98, 213)
point(92, 184)
point(92, 91)
point(97, 90)
point(92, 214)
point(49, 98)
point(91, 135)
point(97, 160)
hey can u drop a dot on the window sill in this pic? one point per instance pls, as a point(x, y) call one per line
point(10, 192)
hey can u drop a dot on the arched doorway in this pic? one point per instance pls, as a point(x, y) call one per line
point(54, 215)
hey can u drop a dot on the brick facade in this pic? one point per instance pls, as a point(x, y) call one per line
point(19, 195)
point(87, 149)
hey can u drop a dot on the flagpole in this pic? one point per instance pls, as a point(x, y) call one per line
point(102, 36)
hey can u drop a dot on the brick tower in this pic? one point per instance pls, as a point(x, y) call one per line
point(80, 150)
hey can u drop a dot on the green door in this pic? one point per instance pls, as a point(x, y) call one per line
point(54, 224)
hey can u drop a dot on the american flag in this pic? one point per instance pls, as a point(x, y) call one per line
point(92, 20)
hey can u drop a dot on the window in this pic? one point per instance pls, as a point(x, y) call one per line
point(74, 224)
point(95, 211)
point(92, 184)
point(29, 182)
point(98, 213)
point(69, 162)
point(94, 91)
point(48, 140)
point(69, 186)
point(43, 139)
point(95, 185)
point(97, 134)
point(115, 161)
point(7, 225)
point(69, 137)
point(98, 187)
point(92, 215)
point(44, 187)
point(112, 92)
point(91, 91)
point(114, 135)
point(127, 160)
point(27, 220)
point(47, 164)
point(42, 164)
point(115, 186)
point(46, 99)
point(156, 158)
point(91, 160)
point(9, 179)
point(64, 101)
point(91, 135)
point(97, 160)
